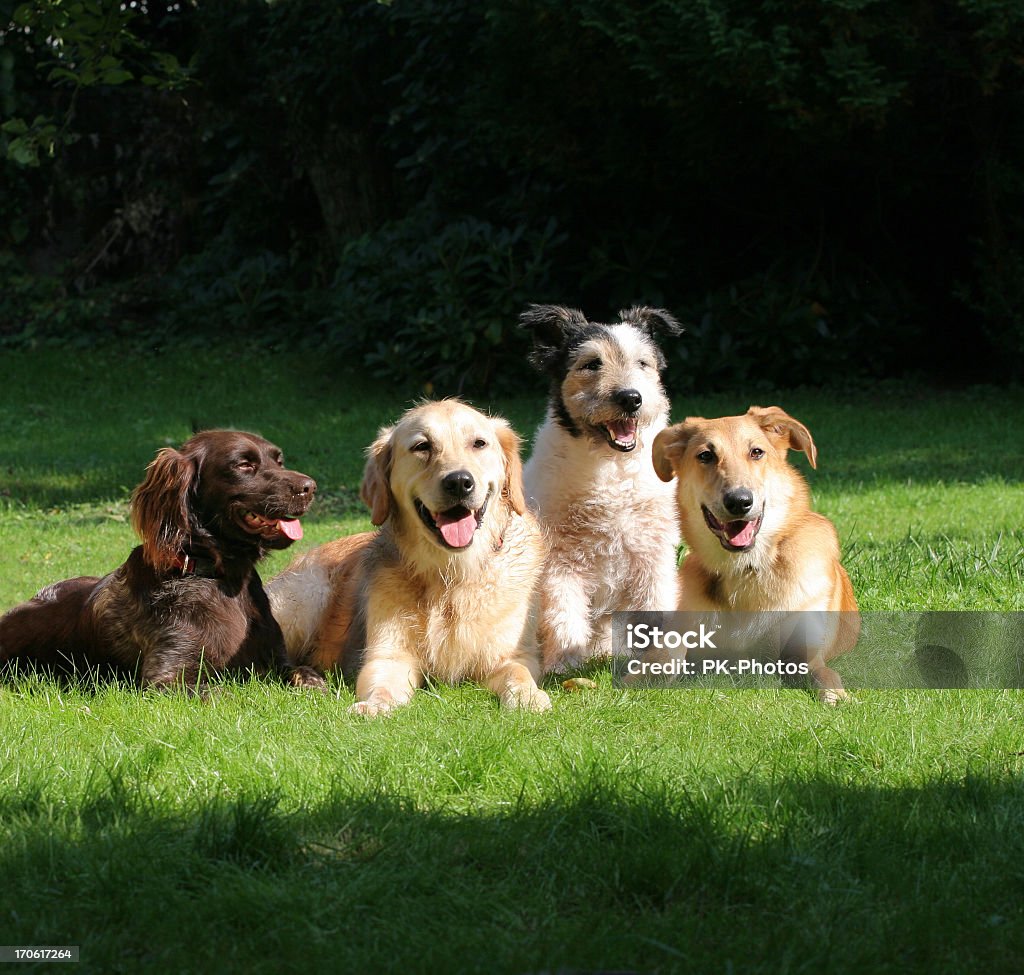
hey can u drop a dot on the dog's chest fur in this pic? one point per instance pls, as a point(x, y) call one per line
point(185, 610)
point(780, 573)
point(608, 514)
point(471, 612)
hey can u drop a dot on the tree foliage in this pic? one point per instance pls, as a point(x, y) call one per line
point(798, 181)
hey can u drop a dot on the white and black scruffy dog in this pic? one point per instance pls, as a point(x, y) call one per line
point(612, 522)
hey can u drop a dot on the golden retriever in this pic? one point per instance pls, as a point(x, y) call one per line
point(754, 544)
point(447, 588)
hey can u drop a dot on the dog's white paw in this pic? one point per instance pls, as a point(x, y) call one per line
point(528, 699)
point(371, 709)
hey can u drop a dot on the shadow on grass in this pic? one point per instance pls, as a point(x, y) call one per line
point(755, 875)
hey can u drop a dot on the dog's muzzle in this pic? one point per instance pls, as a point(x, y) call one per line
point(454, 527)
point(621, 434)
point(734, 536)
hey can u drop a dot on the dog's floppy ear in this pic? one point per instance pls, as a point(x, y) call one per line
point(161, 506)
point(512, 490)
point(376, 487)
point(549, 325)
point(653, 321)
point(784, 431)
point(669, 446)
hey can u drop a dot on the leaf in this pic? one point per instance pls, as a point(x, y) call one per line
point(579, 684)
point(23, 151)
point(18, 230)
point(116, 76)
point(63, 74)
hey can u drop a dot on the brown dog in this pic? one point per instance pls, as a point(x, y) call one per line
point(188, 601)
point(447, 588)
point(754, 545)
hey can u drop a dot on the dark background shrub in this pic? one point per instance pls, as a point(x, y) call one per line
point(809, 187)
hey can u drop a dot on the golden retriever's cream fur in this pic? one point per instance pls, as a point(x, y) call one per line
point(754, 544)
point(447, 588)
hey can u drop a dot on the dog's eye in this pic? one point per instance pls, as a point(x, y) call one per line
point(643, 364)
point(756, 453)
point(245, 465)
point(421, 447)
point(479, 443)
point(593, 365)
point(706, 457)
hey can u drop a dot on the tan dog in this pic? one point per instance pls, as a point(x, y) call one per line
point(754, 545)
point(447, 588)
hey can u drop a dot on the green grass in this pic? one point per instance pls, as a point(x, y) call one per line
point(658, 831)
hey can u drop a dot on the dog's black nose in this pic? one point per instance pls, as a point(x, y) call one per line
point(629, 399)
point(738, 501)
point(458, 484)
point(302, 485)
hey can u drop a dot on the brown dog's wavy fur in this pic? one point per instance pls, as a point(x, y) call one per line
point(160, 507)
point(188, 601)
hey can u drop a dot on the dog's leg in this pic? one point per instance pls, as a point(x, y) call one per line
point(296, 675)
point(601, 637)
point(174, 666)
point(565, 629)
point(828, 684)
point(516, 687)
point(304, 677)
point(45, 629)
point(385, 683)
point(805, 636)
point(268, 643)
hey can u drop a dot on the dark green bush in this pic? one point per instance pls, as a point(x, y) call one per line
point(790, 328)
point(434, 304)
point(233, 290)
point(803, 183)
point(39, 308)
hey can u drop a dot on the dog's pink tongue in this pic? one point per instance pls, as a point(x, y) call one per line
point(291, 527)
point(623, 430)
point(740, 533)
point(456, 530)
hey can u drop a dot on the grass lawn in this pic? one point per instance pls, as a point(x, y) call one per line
point(647, 831)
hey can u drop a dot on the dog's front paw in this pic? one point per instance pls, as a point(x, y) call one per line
point(833, 696)
point(307, 678)
point(528, 699)
point(375, 706)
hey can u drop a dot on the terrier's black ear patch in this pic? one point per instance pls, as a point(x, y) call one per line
point(653, 321)
point(551, 326)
